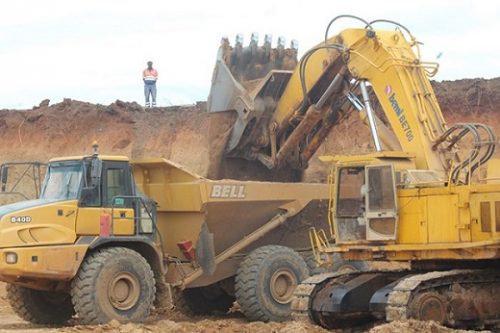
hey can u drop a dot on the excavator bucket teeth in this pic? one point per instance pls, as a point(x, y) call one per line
point(250, 80)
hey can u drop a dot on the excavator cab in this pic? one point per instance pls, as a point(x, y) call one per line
point(365, 203)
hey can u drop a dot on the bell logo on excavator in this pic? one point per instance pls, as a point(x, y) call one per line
point(388, 89)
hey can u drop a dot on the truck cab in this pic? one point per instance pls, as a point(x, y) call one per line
point(89, 231)
point(85, 201)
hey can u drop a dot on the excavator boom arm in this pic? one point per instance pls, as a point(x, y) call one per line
point(287, 108)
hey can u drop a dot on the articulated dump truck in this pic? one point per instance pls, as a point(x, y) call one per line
point(108, 239)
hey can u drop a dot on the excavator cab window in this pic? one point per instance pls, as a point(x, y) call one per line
point(366, 205)
point(350, 204)
point(381, 203)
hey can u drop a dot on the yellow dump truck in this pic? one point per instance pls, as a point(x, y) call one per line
point(108, 237)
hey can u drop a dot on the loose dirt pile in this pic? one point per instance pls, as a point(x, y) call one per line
point(190, 136)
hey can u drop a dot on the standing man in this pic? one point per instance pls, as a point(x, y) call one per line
point(149, 76)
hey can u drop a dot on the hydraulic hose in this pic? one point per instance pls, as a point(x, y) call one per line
point(391, 22)
point(302, 68)
point(368, 24)
point(413, 39)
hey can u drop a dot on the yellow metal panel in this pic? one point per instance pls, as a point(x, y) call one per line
point(59, 262)
point(176, 227)
point(52, 223)
point(442, 218)
point(493, 171)
point(490, 215)
point(81, 157)
point(123, 221)
point(88, 221)
point(170, 185)
point(412, 220)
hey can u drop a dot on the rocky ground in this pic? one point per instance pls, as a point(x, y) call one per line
point(195, 139)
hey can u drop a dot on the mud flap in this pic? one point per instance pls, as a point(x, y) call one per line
point(205, 251)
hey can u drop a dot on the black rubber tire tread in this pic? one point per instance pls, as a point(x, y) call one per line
point(33, 305)
point(180, 303)
point(253, 280)
point(85, 286)
point(199, 303)
point(339, 263)
point(163, 298)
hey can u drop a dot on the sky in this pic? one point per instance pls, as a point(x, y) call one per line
point(95, 50)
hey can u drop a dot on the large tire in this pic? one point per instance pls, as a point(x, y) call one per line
point(266, 280)
point(40, 307)
point(207, 300)
point(113, 283)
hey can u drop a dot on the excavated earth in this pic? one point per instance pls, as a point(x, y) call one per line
point(195, 139)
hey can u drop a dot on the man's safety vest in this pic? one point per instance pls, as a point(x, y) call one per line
point(150, 76)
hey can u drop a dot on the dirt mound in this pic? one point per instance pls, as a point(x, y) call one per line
point(194, 138)
point(69, 127)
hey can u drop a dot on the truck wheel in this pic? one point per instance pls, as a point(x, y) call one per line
point(40, 307)
point(113, 283)
point(266, 280)
point(207, 300)
point(346, 266)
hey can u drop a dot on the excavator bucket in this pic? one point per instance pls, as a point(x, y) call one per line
point(267, 89)
point(240, 72)
point(250, 80)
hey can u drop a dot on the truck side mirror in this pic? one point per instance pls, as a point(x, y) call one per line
point(4, 175)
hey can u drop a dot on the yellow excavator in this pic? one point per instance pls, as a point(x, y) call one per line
point(429, 195)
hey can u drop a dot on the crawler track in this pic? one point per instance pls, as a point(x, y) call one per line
point(457, 298)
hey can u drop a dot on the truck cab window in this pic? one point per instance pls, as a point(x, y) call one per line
point(115, 185)
point(62, 181)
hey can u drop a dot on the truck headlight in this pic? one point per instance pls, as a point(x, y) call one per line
point(11, 257)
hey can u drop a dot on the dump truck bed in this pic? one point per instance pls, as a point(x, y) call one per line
point(230, 209)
